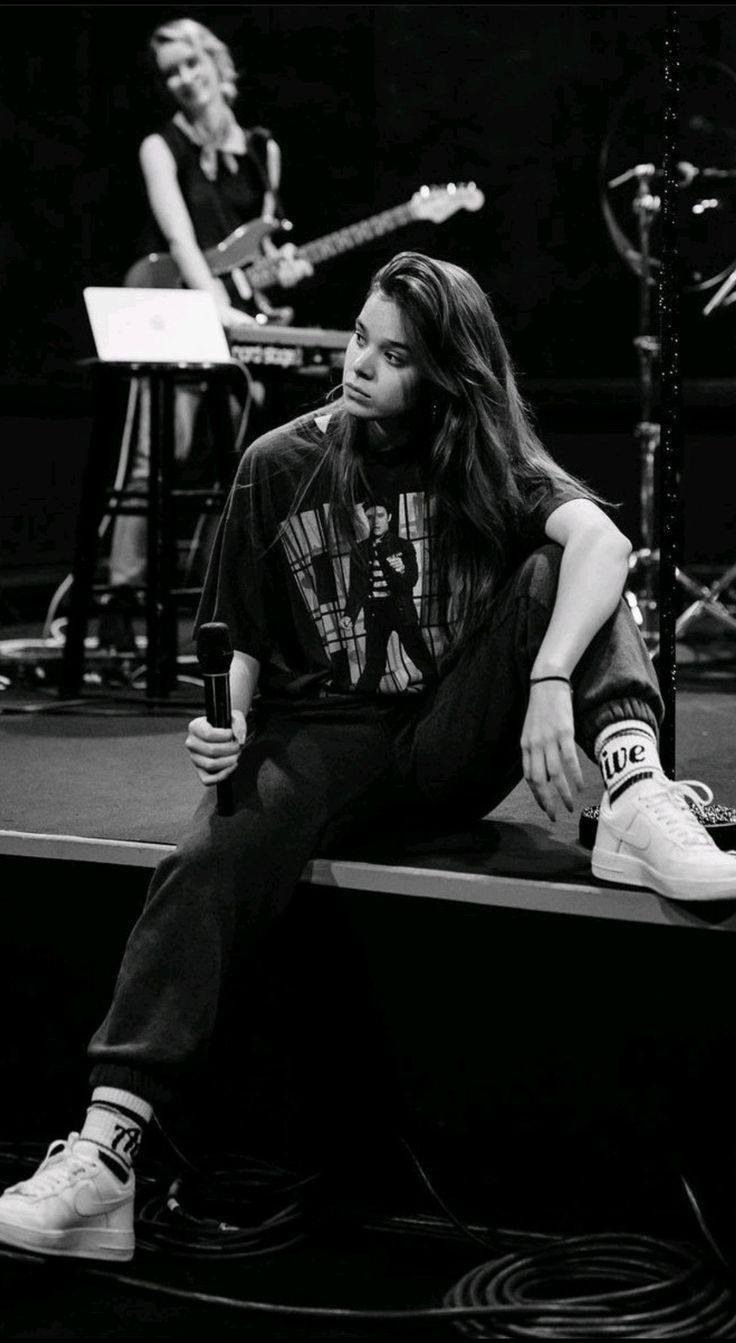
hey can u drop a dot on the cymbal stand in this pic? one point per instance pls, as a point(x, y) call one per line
point(643, 601)
point(643, 564)
point(708, 599)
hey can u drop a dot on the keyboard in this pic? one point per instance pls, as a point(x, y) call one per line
point(289, 347)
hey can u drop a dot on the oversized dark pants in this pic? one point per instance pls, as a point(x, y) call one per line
point(452, 751)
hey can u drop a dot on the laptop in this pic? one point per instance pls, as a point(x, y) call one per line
point(178, 326)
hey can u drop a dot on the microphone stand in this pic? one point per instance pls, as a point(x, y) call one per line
point(647, 431)
point(644, 562)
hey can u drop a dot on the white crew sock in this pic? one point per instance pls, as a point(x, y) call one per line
point(116, 1120)
point(628, 757)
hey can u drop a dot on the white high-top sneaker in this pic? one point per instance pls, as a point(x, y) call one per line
point(75, 1204)
point(652, 837)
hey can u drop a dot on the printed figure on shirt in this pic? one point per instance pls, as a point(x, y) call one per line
point(383, 576)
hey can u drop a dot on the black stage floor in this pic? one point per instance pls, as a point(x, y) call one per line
point(106, 780)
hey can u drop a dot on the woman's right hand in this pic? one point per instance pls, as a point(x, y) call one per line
point(235, 321)
point(215, 751)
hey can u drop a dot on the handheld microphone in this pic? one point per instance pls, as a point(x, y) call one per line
point(214, 654)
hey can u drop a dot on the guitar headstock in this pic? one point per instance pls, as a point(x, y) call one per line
point(438, 203)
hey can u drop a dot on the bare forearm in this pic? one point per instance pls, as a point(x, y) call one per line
point(171, 213)
point(592, 578)
point(195, 272)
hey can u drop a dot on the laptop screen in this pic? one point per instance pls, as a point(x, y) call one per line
point(156, 326)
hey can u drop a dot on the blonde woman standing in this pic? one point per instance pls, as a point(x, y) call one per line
point(204, 176)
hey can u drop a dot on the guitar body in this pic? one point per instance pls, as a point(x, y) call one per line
point(241, 254)
point(158, 270)
point(155, 271)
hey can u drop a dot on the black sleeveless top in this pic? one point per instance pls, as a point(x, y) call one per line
point(219, 207)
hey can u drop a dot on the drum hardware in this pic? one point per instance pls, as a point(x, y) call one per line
point(719, 821)
point(722, 296)
point(641, 594)
point(643, 564)
point(705, 201)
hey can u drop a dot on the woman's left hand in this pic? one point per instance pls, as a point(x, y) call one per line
point(291, 268)
point(548, 747)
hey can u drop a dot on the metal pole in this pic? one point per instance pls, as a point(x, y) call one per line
point(670, 453)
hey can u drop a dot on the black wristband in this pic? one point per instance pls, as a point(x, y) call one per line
point(534, 680)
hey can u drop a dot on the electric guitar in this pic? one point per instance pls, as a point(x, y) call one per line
point(242, 249)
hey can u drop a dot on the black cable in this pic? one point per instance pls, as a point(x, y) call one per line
point(237, 1208)
point(165, 1225)
point(623, 1286)
point(591, 1315)
point(109, 706)
point(506, 1238)
point(467, 1231)
point(596, 1286)
point(703, 1227)
point(242, 429)
point(327, 1313)
point(599, 1285)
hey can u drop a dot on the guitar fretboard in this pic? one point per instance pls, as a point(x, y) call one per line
point(263, 273)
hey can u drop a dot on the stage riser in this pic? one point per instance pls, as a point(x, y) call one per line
point(524, 1055)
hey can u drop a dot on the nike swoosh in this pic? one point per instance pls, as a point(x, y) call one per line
point(638, 835)
point(88, 1203)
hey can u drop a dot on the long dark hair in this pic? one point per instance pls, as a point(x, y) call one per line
point(482, 460)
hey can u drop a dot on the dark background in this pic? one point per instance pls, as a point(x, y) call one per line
point(368, 103)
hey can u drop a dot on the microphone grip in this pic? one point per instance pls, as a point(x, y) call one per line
point(219, 712)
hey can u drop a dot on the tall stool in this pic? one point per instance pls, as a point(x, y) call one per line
point(157, 503)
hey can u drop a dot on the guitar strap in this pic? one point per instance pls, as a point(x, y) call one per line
point(257, 139)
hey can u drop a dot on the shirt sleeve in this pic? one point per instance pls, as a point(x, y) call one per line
point(235, 588)
point(545, 498)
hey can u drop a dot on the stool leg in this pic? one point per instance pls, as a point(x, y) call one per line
point(219, 409)
point(223, 431)
point(168, 544)
point(160, 614)
point(91, 511)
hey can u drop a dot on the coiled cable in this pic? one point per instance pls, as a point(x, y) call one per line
point(597, 1286)
point(233, 1209)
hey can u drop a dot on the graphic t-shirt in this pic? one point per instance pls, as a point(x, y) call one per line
point(328, 619)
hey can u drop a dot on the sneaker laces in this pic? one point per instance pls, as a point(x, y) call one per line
point(689, 787)
point(57, 1171)
point(676, 804)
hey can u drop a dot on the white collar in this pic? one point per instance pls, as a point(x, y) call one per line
point(229, 141)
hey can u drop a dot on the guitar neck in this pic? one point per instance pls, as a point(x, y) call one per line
point(263, 273)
